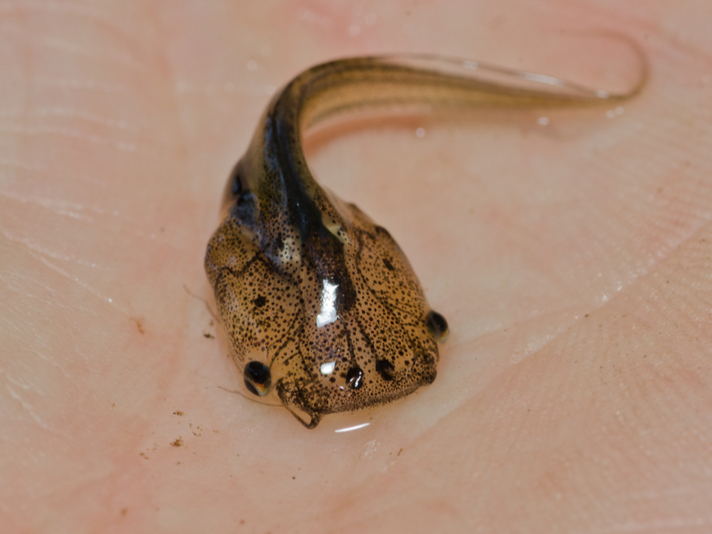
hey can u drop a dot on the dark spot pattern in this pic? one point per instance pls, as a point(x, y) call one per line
point(319, 304)
point(385, 369)
point(378, 348)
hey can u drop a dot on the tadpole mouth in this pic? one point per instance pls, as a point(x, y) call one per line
point(310, 401)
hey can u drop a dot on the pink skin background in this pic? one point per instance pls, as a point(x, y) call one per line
point(573, 261)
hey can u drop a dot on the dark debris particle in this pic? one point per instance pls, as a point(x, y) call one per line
point(178, 412)
point(139, 324)
point(208, 335)
point(177, 443)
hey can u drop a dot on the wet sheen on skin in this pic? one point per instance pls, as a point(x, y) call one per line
point(319, 304)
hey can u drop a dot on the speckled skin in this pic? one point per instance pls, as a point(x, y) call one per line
point(284, 239)
point(269, 307)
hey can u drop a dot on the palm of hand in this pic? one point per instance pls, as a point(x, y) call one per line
point(573, 268)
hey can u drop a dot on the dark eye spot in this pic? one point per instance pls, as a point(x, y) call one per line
point(354, 377)
point(242, 199)
point(241, 195)
point(388, 264)
point(437, 325)
point(382, 232)
point(385, 369)
point(258, 379)
point(236, 185)
point(260, 301)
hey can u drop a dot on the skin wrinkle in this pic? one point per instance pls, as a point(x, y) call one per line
point(603, 429)
point(67, 133)
point(73, 48)
point(80, 9)
point(4, 162)
point(83, 84)
point(78, 114)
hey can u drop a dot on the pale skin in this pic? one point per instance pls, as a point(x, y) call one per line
point(571, 257)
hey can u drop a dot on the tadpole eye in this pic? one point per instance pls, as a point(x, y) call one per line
point(236, 181)
point(258, 379)
point(236, 185)
point(437, 326)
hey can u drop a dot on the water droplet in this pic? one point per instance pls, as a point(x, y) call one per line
point(350, 428)
point(420, 132)
point(327, 368)
point(543, 121)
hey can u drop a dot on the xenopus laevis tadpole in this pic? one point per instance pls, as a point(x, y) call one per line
point(318, 302)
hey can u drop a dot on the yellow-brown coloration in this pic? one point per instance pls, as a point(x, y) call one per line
point(319, 303)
